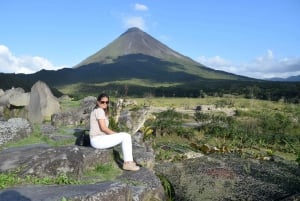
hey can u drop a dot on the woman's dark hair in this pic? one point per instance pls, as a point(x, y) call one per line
point(99, 99)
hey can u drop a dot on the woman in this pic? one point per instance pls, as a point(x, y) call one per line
point(102, 137)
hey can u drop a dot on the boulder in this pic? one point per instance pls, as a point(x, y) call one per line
point(19, 99)
point(42, 103)
point(132, 120)
point(75, 117)
point(14, 129)
point(13, 92)
point(106, 191)
point(2, 113)
point(1, 92)
point(46, 161)
point(231, 177)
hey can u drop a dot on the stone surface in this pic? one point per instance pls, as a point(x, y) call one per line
point(42, 103)
point(45, 161)
point(20, 99)
point(107, 191)
point(132, 120)
point(4, 98)
point(14, 129)
point(78, 116)
point(230, 177)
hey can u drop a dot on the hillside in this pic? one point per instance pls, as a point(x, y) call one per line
point(142, 56)
point(288, 79)
point(137, 64)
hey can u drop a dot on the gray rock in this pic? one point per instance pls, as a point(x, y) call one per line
point(14, 129)
point(1, 92)
point(19, 99)
point(230, 177)
point(132, 120)
point(42, 103)
point(4, 98)
point(149, 185)
point(67, 118)
point(107, 191)
point(78, 116)
point(44, 161)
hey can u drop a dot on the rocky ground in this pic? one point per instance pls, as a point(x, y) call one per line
point(231, 177)
point(45, 161)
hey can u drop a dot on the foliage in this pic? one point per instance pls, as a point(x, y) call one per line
point(103, 172)
point(147, 131)
point(298, 159)
point(170, 122)
point(12, 178)
point(260, 128)
point(169, 189)
point(272, 127)
point(113, 124)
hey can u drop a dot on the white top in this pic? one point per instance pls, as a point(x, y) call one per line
point(97, 114)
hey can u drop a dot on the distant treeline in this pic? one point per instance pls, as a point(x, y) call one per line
point(257, 89)
point(274, 91)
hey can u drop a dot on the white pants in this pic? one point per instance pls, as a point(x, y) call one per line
point(108, 141)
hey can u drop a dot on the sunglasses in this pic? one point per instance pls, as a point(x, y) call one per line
point(102, 102)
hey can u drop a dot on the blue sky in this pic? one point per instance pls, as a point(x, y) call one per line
point(255, 38)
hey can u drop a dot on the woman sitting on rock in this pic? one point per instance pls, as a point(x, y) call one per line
point(102, 137)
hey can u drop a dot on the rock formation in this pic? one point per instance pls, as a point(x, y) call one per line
point(46, 161)
point(14, 129)
point(42, 103)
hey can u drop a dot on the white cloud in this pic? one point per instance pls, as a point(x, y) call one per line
point(10, 63)
point(134, 21)
point(140, 7)
point(265, 66)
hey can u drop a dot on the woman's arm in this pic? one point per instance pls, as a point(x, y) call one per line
point(104, 128)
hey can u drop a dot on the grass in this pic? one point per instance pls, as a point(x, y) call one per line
point(73, 88)
point(12, 179)
point(103, 172)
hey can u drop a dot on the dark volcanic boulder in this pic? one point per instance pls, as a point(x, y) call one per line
point(230, 177)
point(42, 160)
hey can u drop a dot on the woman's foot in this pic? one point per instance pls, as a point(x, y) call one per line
point(131, 166)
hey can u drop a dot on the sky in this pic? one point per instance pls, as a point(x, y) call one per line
point(254, 38)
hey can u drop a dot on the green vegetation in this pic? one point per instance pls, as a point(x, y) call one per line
point(103, 172)
point(169, 190)
point(11, 179)
point(262, 128)
point(273, 91)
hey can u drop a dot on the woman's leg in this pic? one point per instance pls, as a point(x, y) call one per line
point(108, 141)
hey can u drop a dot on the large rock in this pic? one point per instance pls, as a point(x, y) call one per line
point(1, 92)
point(19, 100)
point(106, 191)
point(46, 161)
point(230, 177)
point(5, 98)
point(78, 116)
point(132, 120)
point(14, 129)
point(13, 102)
point(42, 103)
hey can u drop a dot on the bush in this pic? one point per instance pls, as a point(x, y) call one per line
point(170, 122)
